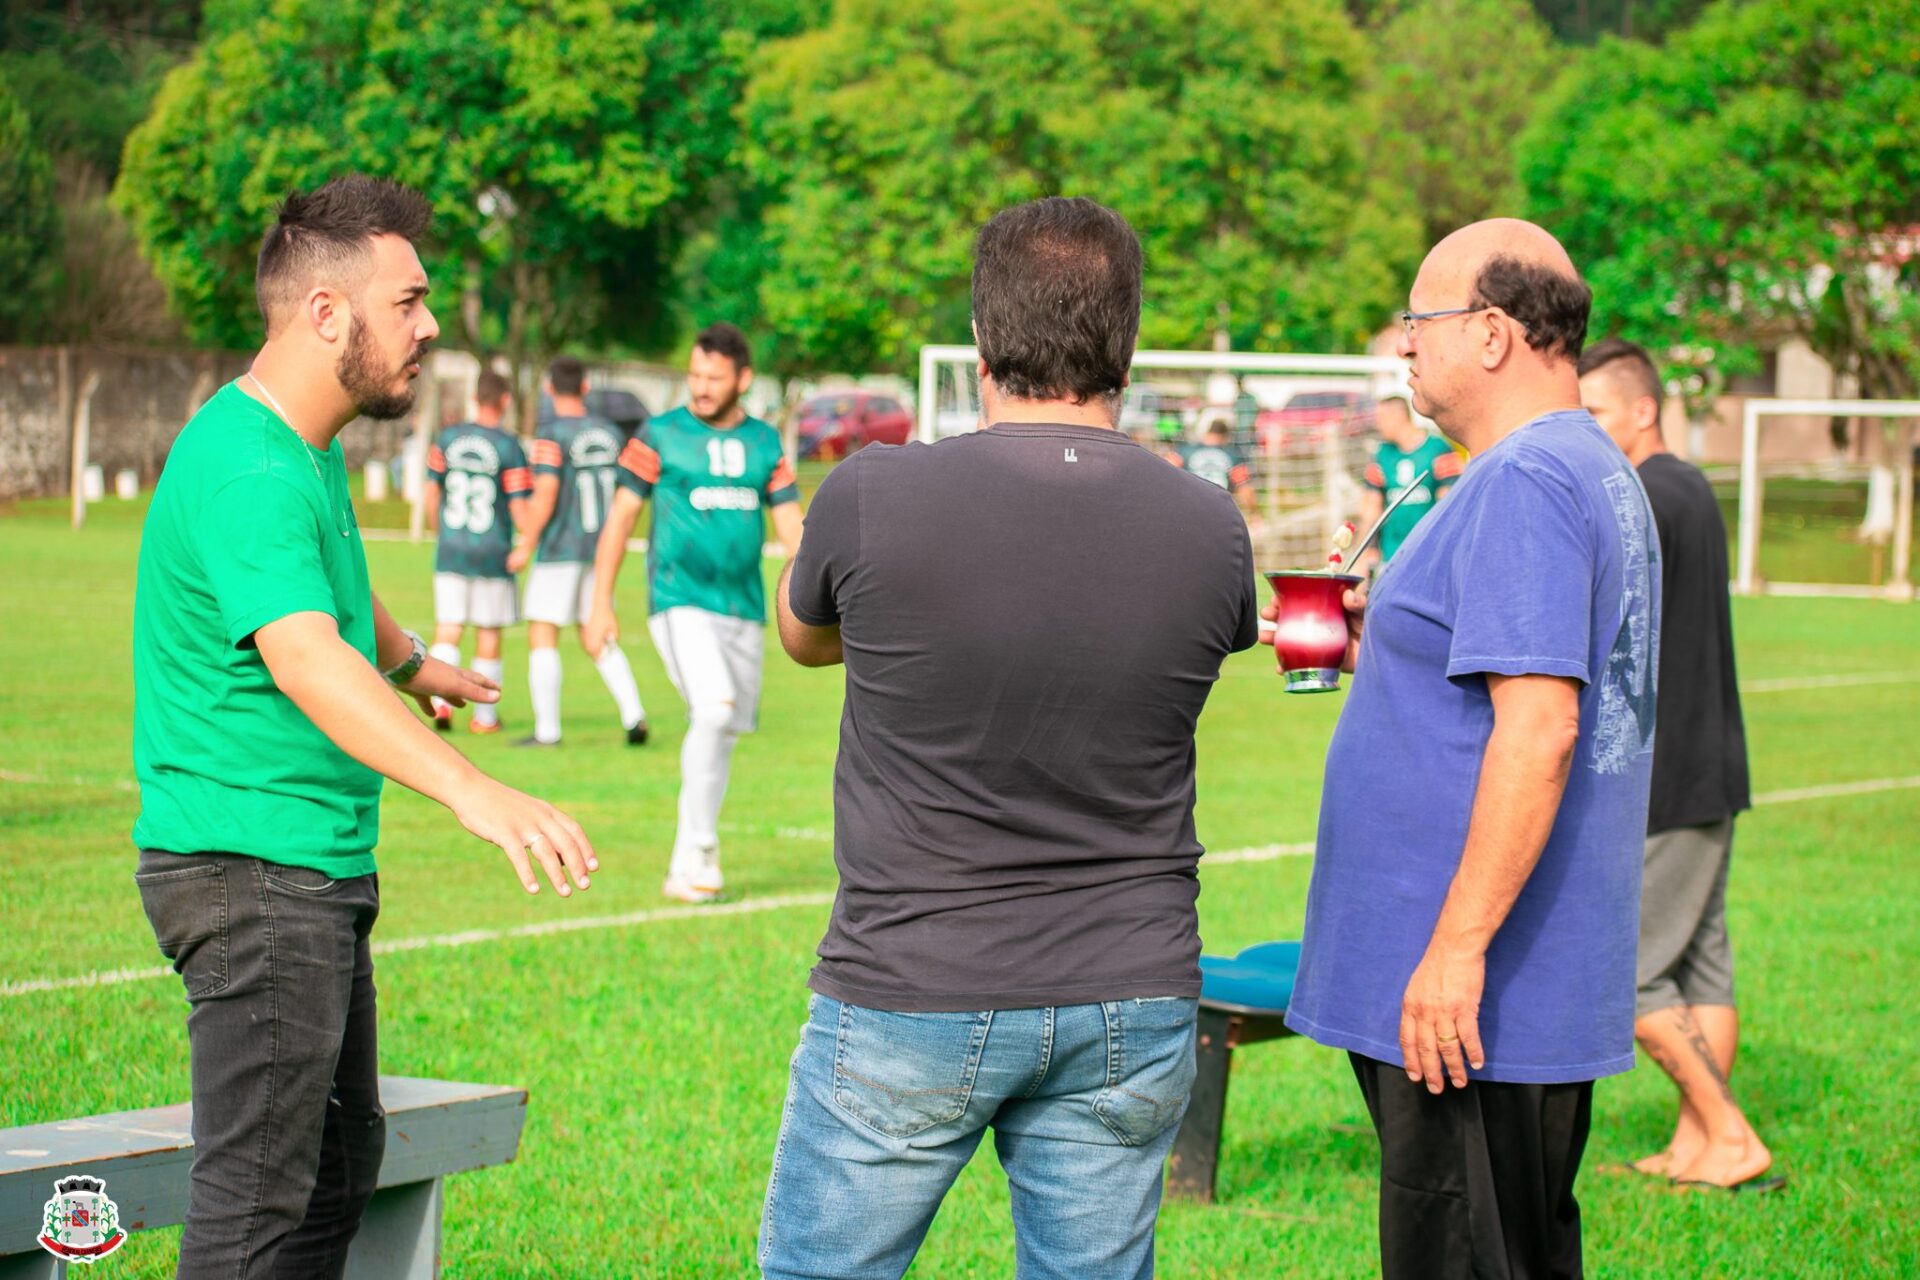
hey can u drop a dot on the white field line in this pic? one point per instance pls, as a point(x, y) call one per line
point(1787, 684)
point(656, 915)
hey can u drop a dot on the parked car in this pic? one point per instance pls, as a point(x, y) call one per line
point(837, 423)
point(1301, 425)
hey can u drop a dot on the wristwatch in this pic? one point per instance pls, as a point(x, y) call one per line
point(410, 667)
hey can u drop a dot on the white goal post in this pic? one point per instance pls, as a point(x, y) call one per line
point(1303, 422)
point(1747, 580)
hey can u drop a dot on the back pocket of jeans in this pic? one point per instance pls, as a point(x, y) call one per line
point(1151, 1067)
point(187, 907)
point(901, 1074)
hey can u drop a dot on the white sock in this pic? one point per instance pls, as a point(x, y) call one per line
point(618, 673)
point(496, 671)
point(449, 654)
point(706, 758)
point(543, 687)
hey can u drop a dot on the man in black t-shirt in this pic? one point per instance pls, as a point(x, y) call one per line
point(1685, 1016)
point(1031, 618)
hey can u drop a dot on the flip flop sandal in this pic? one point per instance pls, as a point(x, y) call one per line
point(1760, 1184)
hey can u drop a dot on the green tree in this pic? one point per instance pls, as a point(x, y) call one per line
point(1231, 133)
point(1449, 113)
point(557, 139)
point(29, 221)
point(1755, 179)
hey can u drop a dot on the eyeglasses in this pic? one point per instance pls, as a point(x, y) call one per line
point(1409, 318)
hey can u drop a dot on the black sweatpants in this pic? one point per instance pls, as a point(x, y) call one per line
point(1477, 1183)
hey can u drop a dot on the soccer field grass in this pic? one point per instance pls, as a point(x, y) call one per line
point(655, 1049)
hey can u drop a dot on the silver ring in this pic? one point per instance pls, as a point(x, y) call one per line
point(535, 839)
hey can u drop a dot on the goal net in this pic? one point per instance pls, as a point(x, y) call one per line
point(1824, 497)
point(1302, 423)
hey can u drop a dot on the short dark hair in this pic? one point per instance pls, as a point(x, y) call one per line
point(491, 388)
point(1551, 306)
point(1628, 360)
point(723, 339)
point(1056, 299)
point(567, 375)
point(323, 233)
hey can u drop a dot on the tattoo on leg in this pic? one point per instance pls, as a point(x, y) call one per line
point(1697, 1041)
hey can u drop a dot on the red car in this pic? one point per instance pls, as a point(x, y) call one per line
point(1302, 425)
point(834, 425)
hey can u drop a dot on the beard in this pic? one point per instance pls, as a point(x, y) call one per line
point(367, 380)
point(721, 410)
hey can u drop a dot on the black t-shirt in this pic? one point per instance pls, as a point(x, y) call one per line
point(1699, 743)
point(1032, 618)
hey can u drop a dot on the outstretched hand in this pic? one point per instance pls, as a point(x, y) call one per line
point(528, 830)
point(455, 685)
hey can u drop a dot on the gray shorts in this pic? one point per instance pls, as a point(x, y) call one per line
point(1685, 955)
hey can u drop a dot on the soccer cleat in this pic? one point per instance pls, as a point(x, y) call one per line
point(531, 741)
point(442, 716)
point(686, 892)
point(637, 735)
point(484, 726)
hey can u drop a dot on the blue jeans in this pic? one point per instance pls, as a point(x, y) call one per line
point(884, 1110)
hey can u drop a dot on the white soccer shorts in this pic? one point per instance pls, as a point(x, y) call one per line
point(561, 594)
point(712, 658)
point(459, 600)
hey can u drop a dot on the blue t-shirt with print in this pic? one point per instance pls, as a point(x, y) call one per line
point(1543, 561)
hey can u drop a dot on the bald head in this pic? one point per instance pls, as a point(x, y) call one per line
point(1522, 270)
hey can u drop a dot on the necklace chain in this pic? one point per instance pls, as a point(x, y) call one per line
point(305, 448)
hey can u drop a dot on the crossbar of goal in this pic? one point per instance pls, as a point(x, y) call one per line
point(932, 357)
point(1746, 579)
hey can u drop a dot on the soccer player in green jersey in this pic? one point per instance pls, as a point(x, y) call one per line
point(474, 470)
point(262, 729)
point(714, 473)
point(1407, 452)
point(574, 460)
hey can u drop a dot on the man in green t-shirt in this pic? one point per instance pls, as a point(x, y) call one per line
point(1409, 457)
point(262, 729)
point(714, 474)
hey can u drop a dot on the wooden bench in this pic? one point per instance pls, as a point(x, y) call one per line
point(434, 1128)
point(1243, 1000)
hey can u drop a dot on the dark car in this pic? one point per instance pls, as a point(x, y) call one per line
point(834, 425)
point(1301, 426)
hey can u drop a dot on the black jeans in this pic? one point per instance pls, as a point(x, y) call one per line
point(288, 1132)
point(1477, 1183)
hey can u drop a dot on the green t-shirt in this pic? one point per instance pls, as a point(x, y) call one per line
point(582, 452)
point(710, 487)
point(481, 471)
point(1221, 465)
point(243, 531)
point(1393, 470)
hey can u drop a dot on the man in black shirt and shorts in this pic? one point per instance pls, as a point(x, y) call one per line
point(1031, 618)
point(1685, 1017)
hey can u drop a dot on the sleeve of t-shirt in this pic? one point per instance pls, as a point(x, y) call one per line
point(829, 548)
point(259, 542)
point(516, 477)
point(782, 486)
point(547, 457)
point(437, 461)
point(1375, 477)
point(1523, 579)
point(639, 469)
